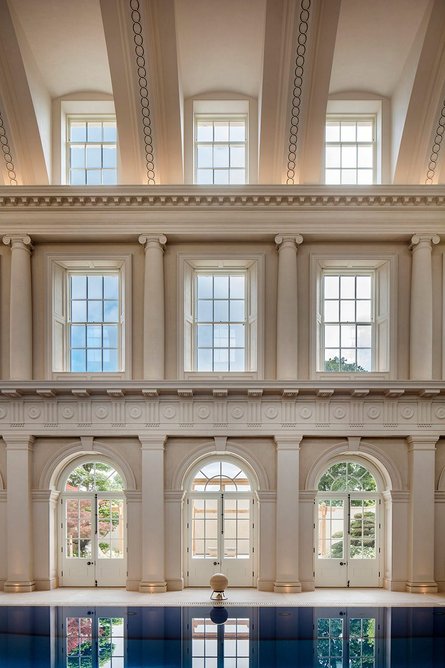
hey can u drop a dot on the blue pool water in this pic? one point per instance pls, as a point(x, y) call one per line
point(230, 637)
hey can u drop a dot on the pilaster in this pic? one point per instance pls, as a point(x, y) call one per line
point(287, 508)
point(154, 312)
point(20, 315)
point(421, 319)
point(287, 306)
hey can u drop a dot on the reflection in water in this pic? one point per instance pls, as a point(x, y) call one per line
point(231, 637)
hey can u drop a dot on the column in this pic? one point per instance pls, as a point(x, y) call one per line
point(287, 538)
point(422, 454)
point(44, 534)
point(20, 316)
point(174, 550)
point(152, 515)
point(154, 315)
point(265, 566)
point(19, 517)
point(287, 306)
point(421, 322)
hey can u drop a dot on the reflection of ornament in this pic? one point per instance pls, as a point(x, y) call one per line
point(271, 412)
point(67, 413)
point(237, 412)
point(373, 412)
point(203, 412)
point(407, 412)
point(219, 615)
point(34, 412)
point(135, 412)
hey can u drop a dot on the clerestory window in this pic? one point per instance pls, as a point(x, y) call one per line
point(91, 150)
point(220, 155)
point(350, 150)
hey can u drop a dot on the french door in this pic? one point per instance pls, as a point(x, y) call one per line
point(220, 538)
point(93, 550)
point(91, 637)
point(347, 549)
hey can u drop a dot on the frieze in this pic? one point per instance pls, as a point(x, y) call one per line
point(174, 414)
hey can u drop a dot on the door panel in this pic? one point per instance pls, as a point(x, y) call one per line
point(347, 637)
point(220, 539)
point(347, 551)
point(93, 545)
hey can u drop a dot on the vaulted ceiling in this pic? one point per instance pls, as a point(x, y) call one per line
point(390, 51)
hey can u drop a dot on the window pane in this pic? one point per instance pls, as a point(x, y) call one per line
point(221, 176)
point(77, 177)
point(205, 336)
point(237, 310)
point(204, 131)
point(94, 287)
point(331, 311)
point(332, 131)
point(364, 359)
point(204, 359)
point(331, 289)
point(111, 287)
point(365, 131)
point(78, 287)
point(238, 156)
point(237, 336)
point(94, 336)
point(221, 131)
point(332, 156)
point(205, 287)
point(109, 129)
point(364, 287)
point(347, 311)
point(94, 131)
point(332, 336)
point(94, 311)
point(347, 287)
point(349, 355)
point(333, 176)
point(364, 336)
point(204, 176)
point(94, 177)
point(365, 156)
point(237, 176)
point(221, 311)
point(109, 156)
point(220, 156)
point(77, 156)
point(205, 310)
point(348, 156)
point(94, 157)
point(237, 131)
point(221, 336)
point(365, 176)
point(78, 131)
point(348, 176)
point(94, 360)
point(109, 177)
point(363, 310)
point(78, 360)
point(347, 336)
point(110, 360)
point(237, 362)
point(204, 156)
point(110, 336)
point(111, 311)
point(77, 336)
point(347, 131)
point(221, 287)
point(237, 287)
point(221, 359)
point(78, 311)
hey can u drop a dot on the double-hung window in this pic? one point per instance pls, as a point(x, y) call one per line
point(90, 316)
point(221, 311)
point(220, 154)
point(354, 323)
point(91, 150)
point(350, 150)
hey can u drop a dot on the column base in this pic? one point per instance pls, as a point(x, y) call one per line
point(175, 584)
point(18, 587)
point(422, 587)
point(264, 585)
point(152, 587)
point(287, 587)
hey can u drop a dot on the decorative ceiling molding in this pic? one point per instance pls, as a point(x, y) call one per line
point(282, 197)
point(303, 28)
point(142, 77)
point(435, 149)
point(7, 156)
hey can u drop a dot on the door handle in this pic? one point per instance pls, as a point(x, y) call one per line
point(343, 563)
point(90, 563)
point(216, 563)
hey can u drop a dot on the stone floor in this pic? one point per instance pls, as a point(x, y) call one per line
point(187, 597)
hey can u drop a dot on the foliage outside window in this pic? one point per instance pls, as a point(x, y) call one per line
point(347, 477)
point(220, 476)
point(85, 649)
point(91, 151)
point(335, 638)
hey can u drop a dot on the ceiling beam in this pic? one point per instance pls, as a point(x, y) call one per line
point(17, 108)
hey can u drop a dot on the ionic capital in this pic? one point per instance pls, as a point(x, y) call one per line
point(157, 241)
point(423, 241)
point(288, 241)
point(18, 241)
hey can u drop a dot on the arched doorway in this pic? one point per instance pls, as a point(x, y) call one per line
point(92, 539)
point(348, 527)
point(219, 524)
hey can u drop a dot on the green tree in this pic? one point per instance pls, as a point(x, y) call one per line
point(362, 542)
point(340, 364)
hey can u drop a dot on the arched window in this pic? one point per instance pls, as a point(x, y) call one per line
point(94, 477)
point(347, 477)
point(220, 476)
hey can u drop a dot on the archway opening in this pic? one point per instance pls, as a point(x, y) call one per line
point(348, 545)
point(92, 521)
point(219, 523)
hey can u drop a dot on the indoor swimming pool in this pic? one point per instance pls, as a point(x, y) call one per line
point(221, 637)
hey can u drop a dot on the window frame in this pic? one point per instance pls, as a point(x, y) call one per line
point(357, 118)
point(253, 266)
point(214, 118)
point(59, 269)
point(94, 118)
point(385, 326)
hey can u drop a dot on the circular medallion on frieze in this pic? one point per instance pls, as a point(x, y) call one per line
point(168, 412)
point(101, 412)
point(440, 412)
point(203, 412)
point(237, 412)
point(373, 412)
point(34, 412)
point(67, 413)
point(407, 412)
point(306, 413)
point(271, 412)
point(2, 413)
point(339, 413)
point(135, 412)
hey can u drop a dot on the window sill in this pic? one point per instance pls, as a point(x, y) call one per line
point(352, 375)
point(215, 375)
point(102, 375)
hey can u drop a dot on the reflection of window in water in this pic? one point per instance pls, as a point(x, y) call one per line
point(88, 645)
point(229, 641)
point(352, 647)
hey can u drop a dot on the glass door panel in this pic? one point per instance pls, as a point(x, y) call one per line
point(347, 638)
point(236, 530)
point(362, 529)
point(110, 518)
point(204, 528)
point(79, 528)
